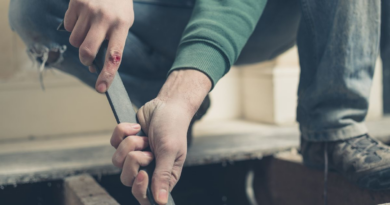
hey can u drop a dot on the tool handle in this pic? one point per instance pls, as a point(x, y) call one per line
point(123, 109)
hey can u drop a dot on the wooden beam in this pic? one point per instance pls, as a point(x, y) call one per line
point(84, 190)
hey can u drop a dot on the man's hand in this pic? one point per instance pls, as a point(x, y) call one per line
point(165, 121)
point(93, 21)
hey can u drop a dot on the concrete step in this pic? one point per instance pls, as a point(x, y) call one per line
point(222, 142)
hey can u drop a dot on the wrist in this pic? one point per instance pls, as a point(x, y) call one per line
point(187, 88)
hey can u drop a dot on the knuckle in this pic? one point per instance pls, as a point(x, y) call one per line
point(74, 41)
point(94, 10)
point(68, 27)
point(116, 161)
point(108, 75)
point(131, 21)
point(86, 55)
point(116, 51)
point(108, 17)
point(91, 7)
point(125, 181)
point(121, 127)
point(132, 156)
point(115, 56)
point(113, 141)
point(81, 3)
point(125, 22)
point(100, 13)
point(67, 22)
point(115, 138)
point(163, 176)
point(168, 148)
point(130, 140)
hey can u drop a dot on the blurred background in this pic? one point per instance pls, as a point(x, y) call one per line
point(264, 93)
point(70, 118)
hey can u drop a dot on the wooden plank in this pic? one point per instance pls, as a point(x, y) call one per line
point(54, 158)
point(284, 180)
point(84, 190)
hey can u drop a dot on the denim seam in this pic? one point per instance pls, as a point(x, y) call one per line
point(307, 16)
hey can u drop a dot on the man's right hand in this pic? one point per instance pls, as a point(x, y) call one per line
point(165, 121)
point(166, 126)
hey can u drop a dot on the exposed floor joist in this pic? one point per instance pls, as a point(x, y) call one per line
point(84, 190)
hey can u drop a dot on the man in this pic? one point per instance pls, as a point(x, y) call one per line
point(177, 51)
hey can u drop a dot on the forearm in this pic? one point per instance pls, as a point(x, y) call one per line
point(187, 88)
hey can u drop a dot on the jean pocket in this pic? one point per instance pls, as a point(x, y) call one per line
point(176, 3)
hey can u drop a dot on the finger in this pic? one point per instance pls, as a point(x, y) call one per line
point(79, 31)
point(132, 164)
point(116, 44)
point(131, 143)
point(91, 44)
point(70, 18)
point(92, 69)
point(140, 186)
point(162, 177)
point(123, 130)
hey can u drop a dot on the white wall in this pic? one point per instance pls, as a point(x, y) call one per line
point(66, 107)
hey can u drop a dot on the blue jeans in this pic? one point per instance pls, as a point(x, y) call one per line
point(338, 42)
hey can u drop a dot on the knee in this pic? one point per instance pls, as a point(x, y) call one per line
point(24, 15)
point(32, 20)
point(35, 21)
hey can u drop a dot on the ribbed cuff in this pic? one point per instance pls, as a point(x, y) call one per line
point(204, 57)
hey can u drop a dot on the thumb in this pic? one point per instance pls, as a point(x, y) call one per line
point(161, 180)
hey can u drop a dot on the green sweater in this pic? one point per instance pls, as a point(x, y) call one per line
point(216, 34)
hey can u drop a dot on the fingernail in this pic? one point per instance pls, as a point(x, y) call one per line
point(136, 126)
point(163, 195)
point(102, 87)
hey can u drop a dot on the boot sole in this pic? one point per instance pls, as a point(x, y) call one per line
point(376, 181)
point(379, 180)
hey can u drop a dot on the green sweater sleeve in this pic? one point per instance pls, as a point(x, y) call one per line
point(216, 34)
